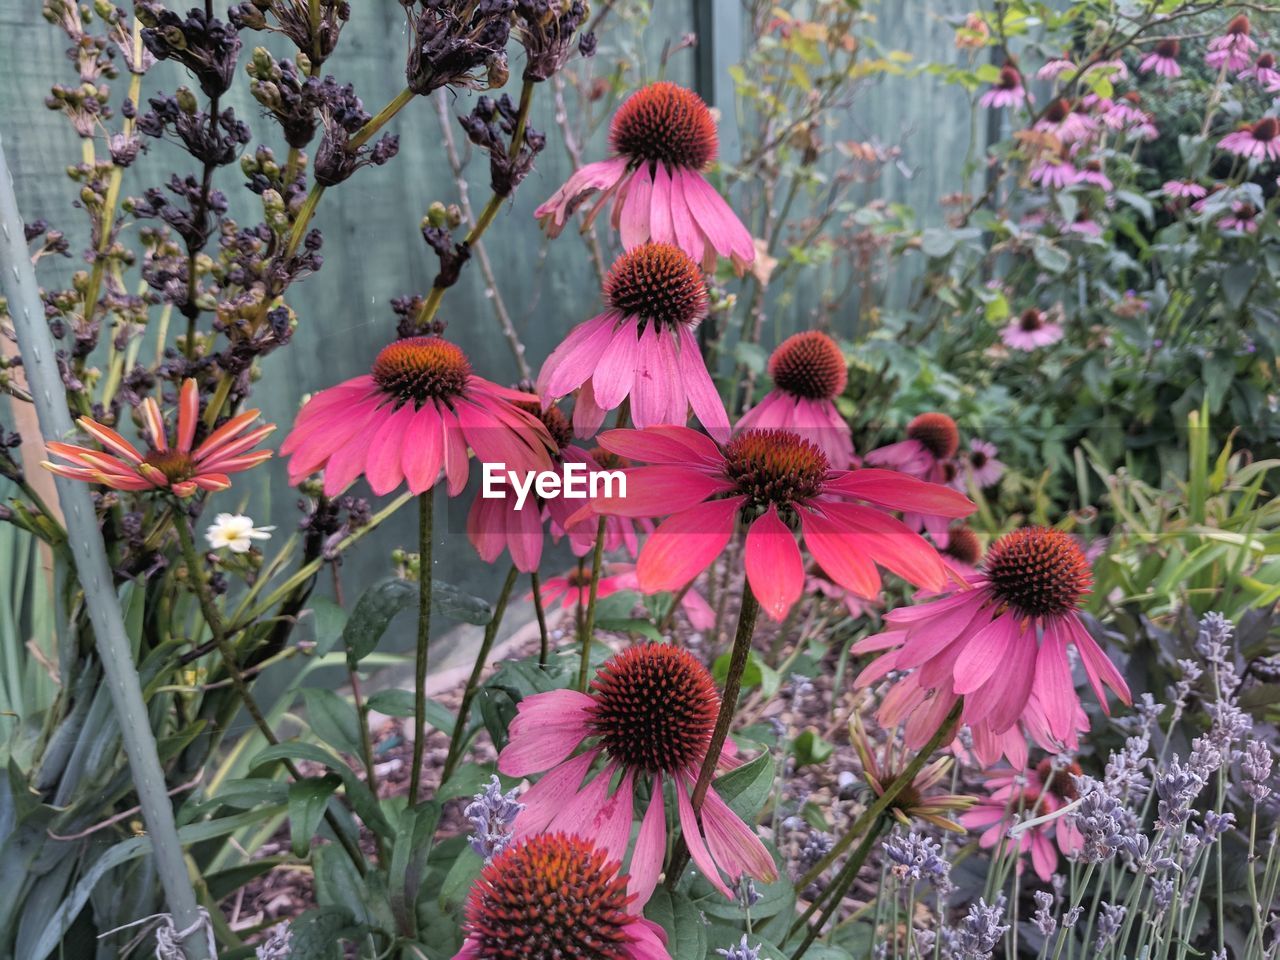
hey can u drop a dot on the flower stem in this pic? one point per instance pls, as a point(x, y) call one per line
point(544, 644)
point(835, 894)
point(589, 621)
point(456, 742)
point(424, 638)
point(944, 732)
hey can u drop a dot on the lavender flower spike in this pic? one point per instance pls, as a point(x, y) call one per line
point(741, 951)
point(492, 813)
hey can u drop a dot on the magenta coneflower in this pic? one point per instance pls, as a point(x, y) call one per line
point(1067, 122)
point(927, 454)
point(1163, 59)
point(414, 413)
point(1084, 224)
point(573, 587)
point(177, 468)
point(1031, 330)
point(580, 525)
point(1184, 190)
point(1093, 174)
point(777, 483)
point(557, 895)
point(648, 719)
point(1008, 90)
point(1255, 141)
point(1054, 172)
point(1264, 72)
point(962, 552)
point(1243, 218)
point(980, 464)
point(641, 347)
point(1001, 644)
point(664, 137)
point(1042, 790)
point(809, 371)
point(1055, 68)
point(1234, 50)
point(1125, 113)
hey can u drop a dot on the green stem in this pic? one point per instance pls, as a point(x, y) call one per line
point(544, 639)
point(457, 741)
point(885, 800)
point(589, 621)
point(424, 634)
point(836, 893)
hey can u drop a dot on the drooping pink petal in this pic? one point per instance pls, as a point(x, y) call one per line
point(602, 175)
point(456, 464)
point(549, 795)
point(650, 847)
point(1053, 688)
point(718, 222)
point(634, 224)
point(485, 527)
point(599, 817)
point(687, 235)
point(890, 543)
point(422, 451)
point(650, 387)
point(587, 414)
point(1097, 667)
point(1010, 687)
point(560, 716)
point(685, 544)
point(898, 491)
point(692, 834)
point(984, 653)
point(382, 463)
point(734, 846)
point(347, 462)
point(773, 563)
point(524, 535)
point(154, 423)
point(662, 444)
point(700, 389)
point(575, 359)
point(660, 226)
point(648, 941)
point(616, 366)
point(1043, 855)
point(837, 553)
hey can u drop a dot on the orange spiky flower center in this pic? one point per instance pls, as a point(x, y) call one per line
point(1038, 571)
point(550, 895)
point(1059, 781)
point(174, 464)
point(937, 432)
point(665, 123)
point(809, 365)
point(659, 283)
point(775, 467)
point(418, 369)
point(654, 708)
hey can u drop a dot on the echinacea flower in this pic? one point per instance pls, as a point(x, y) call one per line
point(1184, 190)
point(1055, 68)
point(641, 347)
point(1008, 90)
point(573, 590)
point(664, 137)
point(1042, 790)
point(648, 719)
point(1255, 141)
point(1234, 50)
point(1031, 330)
point(927, 454)
point(1093, 174)
point(962, 552)
point(1126, 113)
point(1084, 224)
point(235, 532)
point(880, 768)
point(1243, 218)
point(981, 467)
point(1066, 121)
point(556, 895)
point(1054, 172)
point(174, 467)
point(1163, 59)
point(581, 526)
point(413, 414)
point(778, 484)
point(1264, 72)
point(809, 371)
point(1001, 644)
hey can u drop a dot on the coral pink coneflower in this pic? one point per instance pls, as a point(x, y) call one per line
point(641, 347)
point(809, 371)
point(177, 468)
point(557, 896)
point(1255, 141)
point(1163, 60)
point(1243, 218)
point(649, 719)
point(1234, 50)
point(1008, 90)
point(414, 413)
point(1066, 121)
point(1042, 790)
point(664, 137)
point(1031, 330)
point(928, 454)
point(1001, 644)
point(980, 465)
point(1264, 72)
point(778, 483)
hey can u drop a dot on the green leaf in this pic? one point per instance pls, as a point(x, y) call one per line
point(686, 930)
point(937, 242)
point(751, 355)
point(631, 625)
point(457, 882)
point(307, 801)
point(333, 720)
point(328, 621)
point(410, 849)
point(362, 800)
point(810, 748)
point(747, 788)
point(381, 602)
point(1052, 258)
point(1237, 280)
point(399, 703)
point(316, 934)
point(756, 673)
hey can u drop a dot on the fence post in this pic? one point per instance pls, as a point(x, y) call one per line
point(718, 24)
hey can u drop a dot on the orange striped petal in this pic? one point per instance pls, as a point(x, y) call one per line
point(212, 481)
point(188, 414)
point(232, 446)
point(109, 438)
point(154, 475)
point(155, 423)
point(71, 473)
point(236, 464)
point(184, 488)
point(226, 432)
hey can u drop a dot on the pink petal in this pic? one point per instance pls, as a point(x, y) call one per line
point(423, 449)
point(587, 414)
point(689, 237)
point(734, 845)
point(382, 464)
point(717, 220)
point(692, 834)
point(347, 462)
point(701, 390)
point(650, 389)
point(110, 439)
point(616, 369)
point(154, 423)
point(661, 490)
point(984, 652)
point(188, 414)
point(774, 567)
point(594, 815)
point(456, 465)
point(592, 176)
point(685, 544)
point(1097, 667)
point(1053, 687)
point(662, 444)
point(660, 226)
point(650, 848)
point(550, 795)
point(575, 359)
point(897, 491)
point(634, 225)
point(524, 536)
point(836, 551)
point(891, 544)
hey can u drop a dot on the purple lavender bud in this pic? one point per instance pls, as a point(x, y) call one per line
point(917, 858)
point(980, 930)
point(1043, 918)
point(741, 951)
point(1110, 920)
point(492, 814)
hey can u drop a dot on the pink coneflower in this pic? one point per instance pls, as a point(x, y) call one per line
point(1031, 330)
point(664, 137)
point(1054, 172)
point(818, 584)
point(776, 482)
point(1184, 190)
point(1163, 59)
point(692, 603)
point(1264, 72)
point(1243, 218)
point(177, 468)
point(557, 896)
point(980, 464)
point(1001, 644)
point(1233, 50)
point(573, 587)
point(927, 454)
point(1066, 122)
point(962, 552)
point(648, 720)
point(1084, 224)
point(580, 525)
point(1042, 790)
point(415, 412)
point(809, 371)
point(1093, 174)
point(1255, 141)
point(1126, 112)
point(641, 347)
point(1055, 68)
point(1008, 90)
